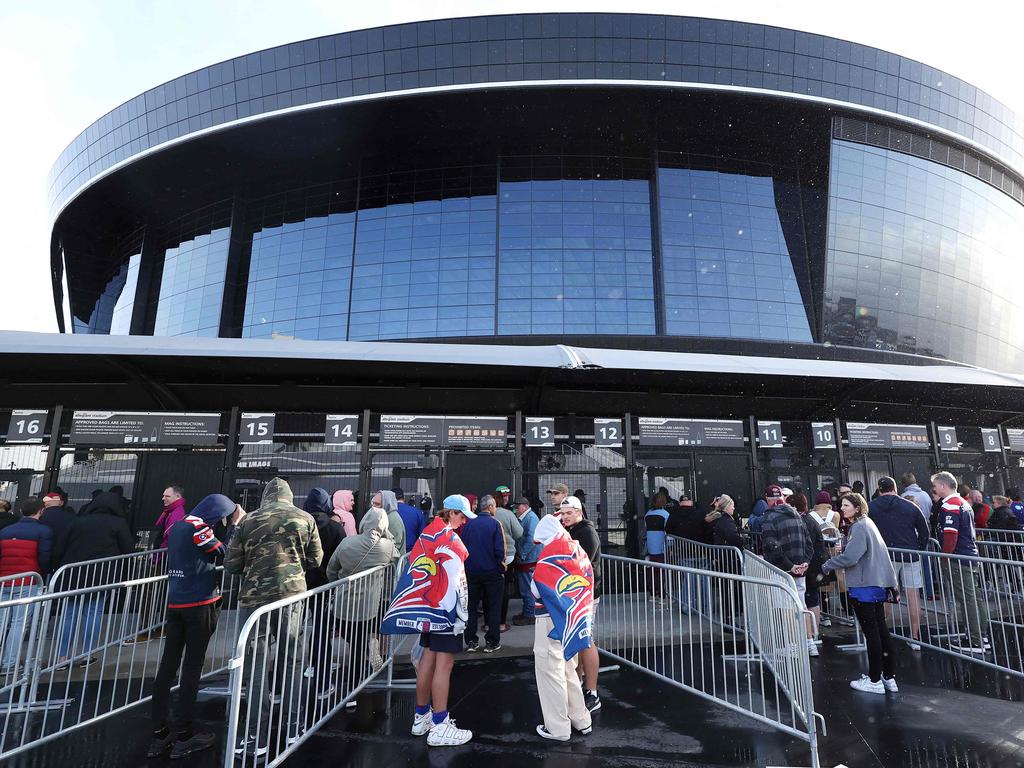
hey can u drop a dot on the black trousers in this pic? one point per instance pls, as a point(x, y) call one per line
point(881, 654)
point(489, 589)
point(187, 631)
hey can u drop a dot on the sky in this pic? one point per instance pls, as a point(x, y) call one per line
point(65, 63)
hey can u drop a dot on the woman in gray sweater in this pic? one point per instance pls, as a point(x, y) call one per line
point(869, 574)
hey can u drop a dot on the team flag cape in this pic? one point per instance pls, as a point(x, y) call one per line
point(565, 583)
point(433, 587)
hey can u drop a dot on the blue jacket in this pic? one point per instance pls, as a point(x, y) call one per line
point(414, 524)
point(25, 546)
point(59, 519)
point(485, 542)
point(901, 523)
point(527, 549)
point(756, 519)
point(193, 552)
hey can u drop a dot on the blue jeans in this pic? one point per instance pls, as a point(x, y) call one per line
point(524, 579)
point(86, 625)
point(13, 621)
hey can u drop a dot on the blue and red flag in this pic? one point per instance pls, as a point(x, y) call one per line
point(564, 579)
point(431, 595)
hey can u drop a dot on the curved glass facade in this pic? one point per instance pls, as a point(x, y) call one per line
point(534, 47)
point(923, 259)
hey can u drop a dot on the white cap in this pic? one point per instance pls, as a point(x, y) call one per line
point(572, 501)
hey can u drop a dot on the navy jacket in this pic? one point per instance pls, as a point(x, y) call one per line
point(901, 523)
point(193, 552)
point(485, 541)
point(59, 519)
point(414, 523)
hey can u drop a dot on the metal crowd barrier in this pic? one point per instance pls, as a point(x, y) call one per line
point(108, 570)
point(765, 675)
point(696, 594)
point(978, 610)
point(1000, 535)
point(81, 658)
point(292, 671)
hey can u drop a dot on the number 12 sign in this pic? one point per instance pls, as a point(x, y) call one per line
point(608, 433)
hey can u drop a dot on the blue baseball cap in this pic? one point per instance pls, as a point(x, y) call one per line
point(460, 503)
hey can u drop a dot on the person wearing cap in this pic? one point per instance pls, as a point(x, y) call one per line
point(56, 515)
point(513, 532)
point(431, 600)
point(527, 552)
point(556, 494)
point(485, 574)
point(585, 533)
point(502, 496)
point(563, 585)
point(411, 517)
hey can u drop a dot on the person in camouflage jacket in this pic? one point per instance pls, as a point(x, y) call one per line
point(273, 547)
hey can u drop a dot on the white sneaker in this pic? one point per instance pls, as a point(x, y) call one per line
point(447, 734)
point(890, 685)
point(812, 648)
point(421, 724)
point(825, 621)
point(865, 685)
point(544, 733)
point(915, 646)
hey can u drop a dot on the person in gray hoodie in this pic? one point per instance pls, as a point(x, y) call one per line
point(360, 605)
point(387, 501)
point(869, 578)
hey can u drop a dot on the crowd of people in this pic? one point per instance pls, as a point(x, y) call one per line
point(468, 558)
point(864, 553)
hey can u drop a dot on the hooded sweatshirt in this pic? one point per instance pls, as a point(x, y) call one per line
point(192, 553)
point(273, 547)
point(102, 532)
point(343, 501)
point(389, 502)
point(318, 506)
point(370, 548)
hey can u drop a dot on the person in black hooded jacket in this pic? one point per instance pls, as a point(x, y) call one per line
point(319, 506)
point(103, 532)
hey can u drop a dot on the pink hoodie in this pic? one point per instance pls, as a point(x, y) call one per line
point(343, 502)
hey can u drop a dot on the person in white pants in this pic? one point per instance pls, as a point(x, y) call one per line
point(558, 685)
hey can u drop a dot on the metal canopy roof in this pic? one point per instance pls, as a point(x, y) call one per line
point(145, 372)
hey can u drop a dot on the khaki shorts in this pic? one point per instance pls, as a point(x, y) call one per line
point(910, 574)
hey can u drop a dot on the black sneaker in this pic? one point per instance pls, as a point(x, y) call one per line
point(250, 747)
point(160, 744)
point(196, 743)
point(491, 648)
point(472, 646)
point(592, 701)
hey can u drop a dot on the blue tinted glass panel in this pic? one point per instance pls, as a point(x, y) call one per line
point(727, 268)
point(575, 248)
point(121, 316)
point(922, 258)
point(192, 281)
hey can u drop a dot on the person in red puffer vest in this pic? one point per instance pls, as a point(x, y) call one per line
point(25, 547)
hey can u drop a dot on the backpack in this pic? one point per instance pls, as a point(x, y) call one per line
point(829, 530)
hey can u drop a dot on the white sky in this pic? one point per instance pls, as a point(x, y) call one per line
point(64, 63)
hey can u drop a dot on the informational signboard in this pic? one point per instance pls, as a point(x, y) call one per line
point(476, 431)
point(608, 433)
point(411, 430)
point(256, 429)
point(341, 430)
point(887, 435)
point(540, 432)
point(947, 439)
point(990, 440)
point(695, 432)
point(769, 434)
point(1015, 440)
point(824, 434)
point(144, 428)
point(26, 426)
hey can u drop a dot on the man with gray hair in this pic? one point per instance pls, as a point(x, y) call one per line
point(956, 522)
point(485, 574)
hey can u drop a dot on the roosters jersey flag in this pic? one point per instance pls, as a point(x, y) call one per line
point(431, 595)
point(564, 579)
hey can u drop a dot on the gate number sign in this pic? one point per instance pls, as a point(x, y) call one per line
point(26, 426)
point(608, 433)
point(769, 434)
point(341, 430)
point(540, 432)
point(824, 434)
point(256, 429)
point(947, 439)
point(990, 440)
